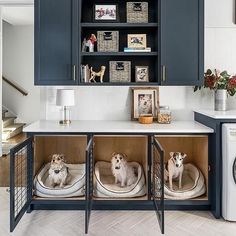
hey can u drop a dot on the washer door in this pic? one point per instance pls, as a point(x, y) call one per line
point(234, 170)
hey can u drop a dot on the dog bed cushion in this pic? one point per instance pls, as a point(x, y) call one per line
point(105, 182)
point(193, 185)
point(74, 188)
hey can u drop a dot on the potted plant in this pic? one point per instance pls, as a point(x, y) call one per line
point(222, 83)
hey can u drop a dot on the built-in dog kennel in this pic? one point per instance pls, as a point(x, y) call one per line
point(135, 148)
point(73, 147)
point(195, 175)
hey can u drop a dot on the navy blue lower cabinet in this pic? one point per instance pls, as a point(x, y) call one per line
point(151, 152)
point(182, 42)
point(215, 159)
point(56, 42)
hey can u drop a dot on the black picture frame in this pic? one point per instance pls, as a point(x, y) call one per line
point(104, 19)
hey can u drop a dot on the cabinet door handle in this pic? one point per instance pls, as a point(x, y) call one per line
point(163, 73)
point(74, 72)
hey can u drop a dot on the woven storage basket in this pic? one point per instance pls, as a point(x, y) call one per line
point(108, 41)
point(120, 71)
point(137, 12)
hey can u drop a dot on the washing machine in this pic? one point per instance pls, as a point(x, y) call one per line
point(229, 172)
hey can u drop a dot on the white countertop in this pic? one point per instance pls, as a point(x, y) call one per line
point(230, 114)
point(44, 126)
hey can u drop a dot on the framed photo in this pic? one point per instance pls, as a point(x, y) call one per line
point(145, 101)
point(137, 40)
point(141, 74)
point(105, 12)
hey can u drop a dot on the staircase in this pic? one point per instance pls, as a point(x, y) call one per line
point(10, 128)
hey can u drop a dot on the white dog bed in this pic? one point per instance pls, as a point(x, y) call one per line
point(193, 185)
point(75, 187)
point(105, 182)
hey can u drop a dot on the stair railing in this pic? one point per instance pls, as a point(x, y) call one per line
point(15, 86)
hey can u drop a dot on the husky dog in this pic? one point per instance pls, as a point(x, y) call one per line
point(58, 172)
point(175, 168)
point(123, 172)
point(145, 104)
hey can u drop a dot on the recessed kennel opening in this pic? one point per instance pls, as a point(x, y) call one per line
point(135, 148)
point(196, 148)
point(73, 147)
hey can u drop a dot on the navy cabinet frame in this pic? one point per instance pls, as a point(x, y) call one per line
point(89, 204)
point(172, 62)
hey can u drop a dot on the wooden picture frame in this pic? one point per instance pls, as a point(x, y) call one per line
point(137, 41)
point(141, 74)
point(105, 12)
point(145, 101)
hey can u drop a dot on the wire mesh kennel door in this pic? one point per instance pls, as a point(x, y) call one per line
point(89, 182)
point(21, 180)
point(157, 175)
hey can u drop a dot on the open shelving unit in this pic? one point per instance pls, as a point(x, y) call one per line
point(96, 59)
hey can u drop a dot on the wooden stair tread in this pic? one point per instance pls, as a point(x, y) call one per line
point(13, 126)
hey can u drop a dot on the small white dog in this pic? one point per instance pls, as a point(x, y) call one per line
point(145, 105)
point(174, 168)
point(58, 172)
point(123, 172)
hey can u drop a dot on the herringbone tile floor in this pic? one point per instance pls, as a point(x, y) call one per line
point(112, 223)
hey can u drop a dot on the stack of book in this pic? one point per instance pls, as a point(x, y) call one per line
point(85, 73)
point(137, 49)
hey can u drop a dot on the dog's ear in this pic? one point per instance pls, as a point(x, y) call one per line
point(183, 155)
point(62, 156)
point(172, 154)
point(125, 156)
point(113, 154)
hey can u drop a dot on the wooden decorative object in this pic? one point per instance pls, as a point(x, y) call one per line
point(146, 119)
point(99, 74)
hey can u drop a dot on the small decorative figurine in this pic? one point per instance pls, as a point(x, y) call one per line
point(99, 74)
point(89, 43)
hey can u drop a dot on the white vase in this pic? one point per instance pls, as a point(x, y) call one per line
point(220, 100)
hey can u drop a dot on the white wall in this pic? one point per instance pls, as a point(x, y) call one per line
point(114, 102)
point(18, 65)
point(0, 80)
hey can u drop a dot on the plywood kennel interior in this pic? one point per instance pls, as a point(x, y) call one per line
point(135, 147)
point(196, 148)
point(73, 147)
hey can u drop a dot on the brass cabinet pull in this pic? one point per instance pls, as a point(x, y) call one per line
point(163, 73)
point(74, 72)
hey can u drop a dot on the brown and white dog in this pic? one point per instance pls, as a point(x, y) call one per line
point(58, 172)
point(122, 171)
point(174, 168)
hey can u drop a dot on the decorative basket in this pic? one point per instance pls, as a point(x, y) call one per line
point(120, 71)
point(108, 41)
point(137, 12)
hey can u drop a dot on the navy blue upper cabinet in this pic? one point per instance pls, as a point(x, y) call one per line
point(182, 42)
point(56, 42)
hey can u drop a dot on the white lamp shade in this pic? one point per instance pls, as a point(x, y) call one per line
point(65, 97)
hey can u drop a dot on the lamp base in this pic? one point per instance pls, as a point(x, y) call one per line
point(64, 122)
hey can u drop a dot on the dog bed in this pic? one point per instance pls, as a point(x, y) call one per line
point(74, 188)
point(193, 185)
point(105, 182)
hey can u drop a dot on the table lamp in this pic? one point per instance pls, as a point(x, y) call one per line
point(66, 99)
